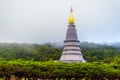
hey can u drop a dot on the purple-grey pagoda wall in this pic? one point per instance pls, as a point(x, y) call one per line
point(71, 51)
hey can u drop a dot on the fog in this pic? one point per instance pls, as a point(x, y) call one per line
point(40, 21)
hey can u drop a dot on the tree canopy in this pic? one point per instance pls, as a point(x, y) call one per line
point(44, 52)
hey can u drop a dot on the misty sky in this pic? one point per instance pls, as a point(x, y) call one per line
point(40, 21)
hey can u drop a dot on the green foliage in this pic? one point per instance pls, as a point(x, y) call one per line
point(52, 70)
point(92, 52)
point(11, 51)
point(95, 52)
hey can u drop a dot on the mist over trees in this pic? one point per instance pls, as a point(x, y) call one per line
point(33, 61)
point(51, 51)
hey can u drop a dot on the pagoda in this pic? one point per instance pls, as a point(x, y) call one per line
point(71, 51)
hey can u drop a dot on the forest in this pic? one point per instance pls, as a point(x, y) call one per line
point(33, 61)
point(92, 52)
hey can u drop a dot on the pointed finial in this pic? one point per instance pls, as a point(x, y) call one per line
point(71, 18)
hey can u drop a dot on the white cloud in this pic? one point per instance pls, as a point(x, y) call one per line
point(44, 21)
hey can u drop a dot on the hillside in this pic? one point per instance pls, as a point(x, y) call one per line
point(44, 52)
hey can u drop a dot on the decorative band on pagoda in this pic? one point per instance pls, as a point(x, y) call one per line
point(71, 49)
point(71, 45)
point(71, 41)
point(71, 25)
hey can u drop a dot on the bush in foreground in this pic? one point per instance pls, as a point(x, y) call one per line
point(57, 70)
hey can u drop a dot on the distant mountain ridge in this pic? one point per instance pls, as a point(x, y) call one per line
point(59, 45)
point(86, 44)
point(44, 52)
point(114, 44)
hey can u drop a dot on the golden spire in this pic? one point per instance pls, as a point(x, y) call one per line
point(71, 19)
